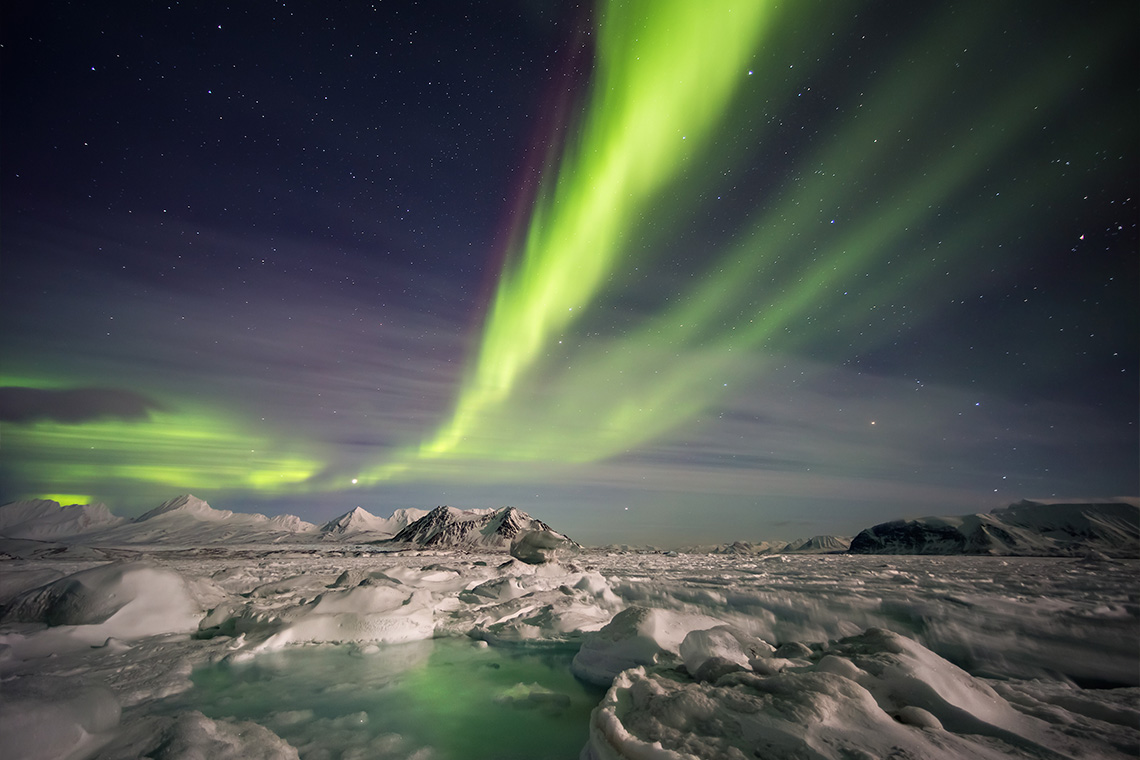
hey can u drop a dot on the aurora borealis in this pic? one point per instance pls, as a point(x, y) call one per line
point(650, 271)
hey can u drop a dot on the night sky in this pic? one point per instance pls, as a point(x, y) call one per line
point(658, 272)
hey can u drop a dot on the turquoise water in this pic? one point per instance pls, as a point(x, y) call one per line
point(447, 699)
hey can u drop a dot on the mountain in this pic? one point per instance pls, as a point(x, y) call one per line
point(188, 521)
point(44, 520)
point(447, 527)
point(184, 520)
point(748, 548)
point(362, 523)
point(1034, 528)
point(818, 545)
point(813, 545)
point(187, 506)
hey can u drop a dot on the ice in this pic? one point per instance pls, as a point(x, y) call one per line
point(537, 547)
point(192, 735)
point(446, 699)
point(121, 600)
point(54, 716)
point(367, 613)
point(635, 636)
point(297, 648)
point(868, 694)
point(725, 643)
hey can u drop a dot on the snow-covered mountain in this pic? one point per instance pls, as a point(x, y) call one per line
point(189, 521)
point(818, 545)
point(184, 520)
point(446, 527)
point(187, 506)
point(749, 548)
point(813, 545)
point(1035, 528)
point(46, 520)
point(362, 524)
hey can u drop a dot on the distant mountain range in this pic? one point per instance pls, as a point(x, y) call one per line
point(813, 545)
point(362, 523)
point(1036, 528)
point(1033, 528)
point(190, 521)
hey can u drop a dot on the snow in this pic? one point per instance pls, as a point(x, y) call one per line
point(123, 601)
point(190, 505)
point(813, 545)
point(447, 527)
point(49, 717)
point(536, 547)
point(635, 636)
point(361, 525)
point(43, 519)
point(862, 696)
point(323, 648)
point(1035, 528)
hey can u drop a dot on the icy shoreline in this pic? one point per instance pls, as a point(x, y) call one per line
point(706, 651)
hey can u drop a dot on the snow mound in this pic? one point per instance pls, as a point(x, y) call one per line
point(552, 604)
point(192, 735)
point(874, 695)
point(125, 601)
point(376, 612)
point(635, 636)
point(51, 717)
point(725, 644)
point(537, 547)
point(43, 519)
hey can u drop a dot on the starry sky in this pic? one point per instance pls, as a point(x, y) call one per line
point(662, 272)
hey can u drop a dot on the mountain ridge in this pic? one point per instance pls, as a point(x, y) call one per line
point(1024, 528)
point(456, 528)
point(187, 520)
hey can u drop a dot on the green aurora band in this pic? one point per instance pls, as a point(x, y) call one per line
point(893, 195)
point(663, 80)
point(190, 448)
point(906, 175)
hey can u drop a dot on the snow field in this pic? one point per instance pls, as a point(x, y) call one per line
point(704, 656)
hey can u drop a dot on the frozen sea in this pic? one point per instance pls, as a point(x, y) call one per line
point(334, 652)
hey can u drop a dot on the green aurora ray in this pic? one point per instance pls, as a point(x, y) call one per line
point(663, 80)
point(674, 93)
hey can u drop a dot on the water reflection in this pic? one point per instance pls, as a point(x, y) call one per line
point(448, 699)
